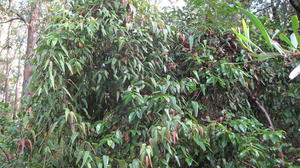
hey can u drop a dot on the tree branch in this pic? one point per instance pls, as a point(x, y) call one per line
point(263, 109)
point(248, 164)
point(295, 54)
point(10, 20)
point(19, 17)
point(259, 10)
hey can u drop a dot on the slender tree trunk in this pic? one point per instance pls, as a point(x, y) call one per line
point(275, 6)
point(31, 41)
point(17, 88)
point(8, 72)
point(296, 5)
point(6, 85)
point(274, 10)
point(285, 10)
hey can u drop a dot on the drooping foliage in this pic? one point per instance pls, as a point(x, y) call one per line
point(280, 95)
point(117, 85)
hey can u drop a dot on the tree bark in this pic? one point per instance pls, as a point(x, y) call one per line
point(16, 107)
point(31, 41)
point(274, 10)
point(6, 85)
point(296, 5)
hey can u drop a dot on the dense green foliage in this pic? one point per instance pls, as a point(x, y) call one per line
point(117, 85)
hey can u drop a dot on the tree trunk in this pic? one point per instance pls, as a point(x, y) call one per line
point(17, 88)
point(274, 10)
point(6, 85)
point(31, 41)
point(296, 5)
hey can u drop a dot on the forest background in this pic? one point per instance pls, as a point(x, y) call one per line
point(137, 83)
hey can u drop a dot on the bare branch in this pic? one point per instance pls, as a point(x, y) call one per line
point(263, 109)
point(10, 20)
point(21, 18)
point(259, 10)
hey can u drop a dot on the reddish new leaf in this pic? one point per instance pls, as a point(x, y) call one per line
point(30, 145)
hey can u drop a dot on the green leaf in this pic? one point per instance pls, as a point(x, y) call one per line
point(262, 57)
point(174, 105)
point(195, 107)
point(259, 25)
point(119, 134)
point(189, 161)
point(191, 41)
point(68, 93)
point(287, 40)
point(54, 42)
point(246, 29)
point(51, 74)
point(245, 41)
point(149, 151)
point(200, 143)
point(295, 27)
point(65, 50)
point(111, 143)
point(105, 160)
point(62, 65)
point(79, 156)
point(122, 164)
point(53, 126)
point(178, 161)
point(135, 163)
point(74, 136)
point(203, 89)
point(70, 68)
point(131, 116)
point(86, 155)
point(128, 98)
point(67, 112)
point(196, 74)
point(243, 153)
point(46, 64)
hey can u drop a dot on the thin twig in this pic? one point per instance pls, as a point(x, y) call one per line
point(295, 54)
point(21, 18)
point(278, 55)
point(262, 9)
point(263, 109)
point(10, 20)
point(248, 164)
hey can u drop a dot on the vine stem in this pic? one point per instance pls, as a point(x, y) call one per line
point(248, 164)
point(263, 109)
